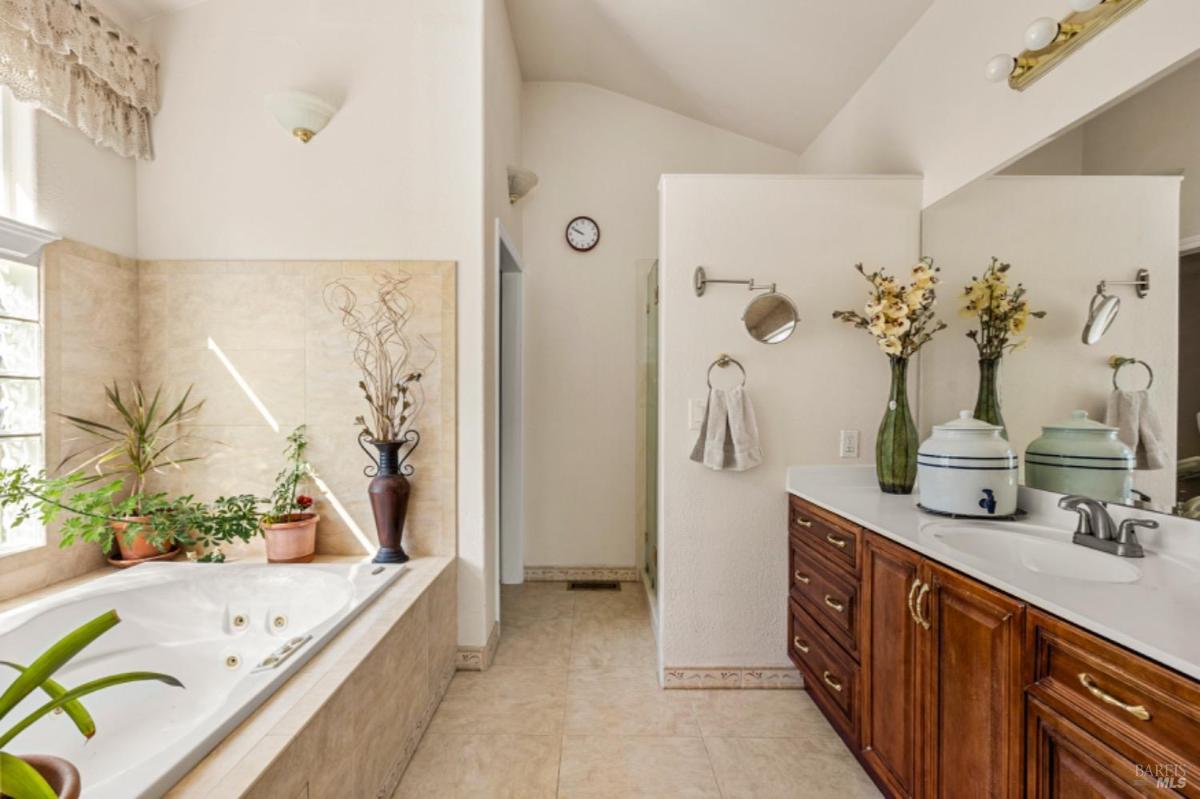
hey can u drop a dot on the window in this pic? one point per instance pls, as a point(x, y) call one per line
point(22, 418)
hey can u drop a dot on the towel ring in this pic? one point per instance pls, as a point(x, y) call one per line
point(1117, 363)
point(722, 361)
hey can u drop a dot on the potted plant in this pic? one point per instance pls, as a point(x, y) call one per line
point(1002, 313)
point(145, 441)
point(45, 776)
point(290, 528)
point(391, 385)
point(902, 320)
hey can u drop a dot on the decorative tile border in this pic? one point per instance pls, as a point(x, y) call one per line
point(751, 678)
point(556, 574)
point(392, 780)
point(478, 658)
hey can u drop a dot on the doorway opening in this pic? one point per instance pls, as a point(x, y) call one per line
point(510, 469)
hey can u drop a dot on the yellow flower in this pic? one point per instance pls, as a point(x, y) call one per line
point(1017, 323)
point(878, 326)
point(873, 308)
point(899, 327)
point(890, 345)
point(895, 309)
point(915, 297)
point(923, 275)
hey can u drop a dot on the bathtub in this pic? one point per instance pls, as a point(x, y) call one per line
point(214, 627)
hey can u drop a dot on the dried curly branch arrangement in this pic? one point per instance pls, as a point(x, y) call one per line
point(384, 353)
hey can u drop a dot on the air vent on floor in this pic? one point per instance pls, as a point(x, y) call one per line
point(593, 585)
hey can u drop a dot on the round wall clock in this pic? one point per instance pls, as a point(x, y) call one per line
point(583, 233)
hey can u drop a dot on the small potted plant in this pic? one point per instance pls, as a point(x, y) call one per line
point(45, 776)
point(290, 528)
point(145, 441)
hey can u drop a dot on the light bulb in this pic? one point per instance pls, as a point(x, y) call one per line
point(1041, 32)
point(1084, 5)
point(999, 67)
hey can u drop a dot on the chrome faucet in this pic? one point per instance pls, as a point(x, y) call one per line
point(1097, 531)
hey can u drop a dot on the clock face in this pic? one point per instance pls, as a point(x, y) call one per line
point(583, 233)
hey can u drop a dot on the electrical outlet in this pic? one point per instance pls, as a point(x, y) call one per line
point(696, 410)
point(848, 445)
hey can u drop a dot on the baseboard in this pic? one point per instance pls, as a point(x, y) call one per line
point(735, 677)
point(478, 658)
point(546, 574)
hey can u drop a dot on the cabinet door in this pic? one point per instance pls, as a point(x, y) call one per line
point(1067, 763)
point(889, 646)
point(970, 660)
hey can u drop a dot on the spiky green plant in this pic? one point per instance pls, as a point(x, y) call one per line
point(17, 778)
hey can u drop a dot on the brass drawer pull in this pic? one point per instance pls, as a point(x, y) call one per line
point(924, 622)
point(831, 682)
point(802, 578)
point(1137, 711)
point(840, 607)
point(840, 543)
point(912, 611)
point(800, 520)
point(796, 642)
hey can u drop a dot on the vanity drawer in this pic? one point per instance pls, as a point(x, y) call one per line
point(830, 599)
point(831, 677)
point(835, 538)
point(1144, 711)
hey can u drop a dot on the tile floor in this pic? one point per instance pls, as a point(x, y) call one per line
point(572, 708)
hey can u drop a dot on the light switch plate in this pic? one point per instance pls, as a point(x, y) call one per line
point(696, 408)
point(848, 444)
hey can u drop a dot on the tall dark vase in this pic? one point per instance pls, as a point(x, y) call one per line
point(987, 404)
point(896, 444)
point(389, 491)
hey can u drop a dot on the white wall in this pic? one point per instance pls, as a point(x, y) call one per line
point(599, 154)
point(397, 174)
point(1062, 235)
point(723, 535)
point(928, 109)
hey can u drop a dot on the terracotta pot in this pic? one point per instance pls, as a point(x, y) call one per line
point(138, 546)
point(59, 774)
point(292, 541)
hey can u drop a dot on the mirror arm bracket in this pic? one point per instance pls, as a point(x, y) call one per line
point(700, 281)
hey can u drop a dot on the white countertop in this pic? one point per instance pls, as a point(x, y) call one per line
point(1155, 616)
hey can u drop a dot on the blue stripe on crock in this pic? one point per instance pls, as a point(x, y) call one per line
point(1029, 462)
point(1011, 468)
point(1122, 458)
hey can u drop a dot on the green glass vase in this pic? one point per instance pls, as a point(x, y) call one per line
point(896, 444)
point(987, 404)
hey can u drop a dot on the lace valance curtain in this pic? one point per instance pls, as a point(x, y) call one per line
point(73, 62)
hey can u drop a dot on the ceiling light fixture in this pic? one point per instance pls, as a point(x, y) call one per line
point(302, 114)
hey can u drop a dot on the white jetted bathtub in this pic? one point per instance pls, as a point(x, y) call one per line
point(215, 627)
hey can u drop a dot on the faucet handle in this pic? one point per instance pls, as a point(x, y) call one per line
point(1126, 532)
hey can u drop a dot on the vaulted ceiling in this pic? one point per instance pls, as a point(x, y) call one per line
point(773, 70)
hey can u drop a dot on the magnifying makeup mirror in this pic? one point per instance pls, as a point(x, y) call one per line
point(770, 318)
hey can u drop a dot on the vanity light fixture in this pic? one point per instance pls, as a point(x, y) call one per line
point(302, 114)
point(1048, 41)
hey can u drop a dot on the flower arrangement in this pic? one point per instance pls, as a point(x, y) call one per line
point(900, 317)
point(1003, 312)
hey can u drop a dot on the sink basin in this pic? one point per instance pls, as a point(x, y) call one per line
point(1037, 549)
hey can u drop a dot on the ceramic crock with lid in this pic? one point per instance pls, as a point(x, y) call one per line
point(1081, 456)
point(966, 468)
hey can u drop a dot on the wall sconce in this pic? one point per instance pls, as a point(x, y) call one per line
point(520, 182)
point(299, 113)
point(1048, 41)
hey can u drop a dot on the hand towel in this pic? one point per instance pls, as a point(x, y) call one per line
point(1133, 414)
point(729, 433)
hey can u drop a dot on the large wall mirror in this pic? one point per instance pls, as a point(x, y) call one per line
point(1116, 194)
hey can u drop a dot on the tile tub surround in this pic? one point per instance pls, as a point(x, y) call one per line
point(89, 299)
point(555, 715)
point(1151, 616)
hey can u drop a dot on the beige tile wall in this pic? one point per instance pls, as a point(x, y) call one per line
point(90, 313)
point(262, 350)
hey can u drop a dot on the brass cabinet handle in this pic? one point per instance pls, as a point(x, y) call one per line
point(831, 682)
point(840, 607)
point(912, 611)
point(1137, 711)
point(799, 645)
point(800, 520)
point(921, 619)
point(801, 578)
point(840, 543)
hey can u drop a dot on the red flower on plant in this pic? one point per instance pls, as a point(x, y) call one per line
point(305, 502)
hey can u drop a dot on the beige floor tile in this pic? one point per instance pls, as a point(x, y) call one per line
point(612, 643)
point(503, 700)
point(535, 601)
point(759, 714)
point(479, 766)
point(535, 642)
point(787, 768)
point(658, 767)
point(625, 702)
point(629, 602)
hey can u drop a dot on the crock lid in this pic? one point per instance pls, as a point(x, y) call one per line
point(1079, 421)
point(965, 423)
